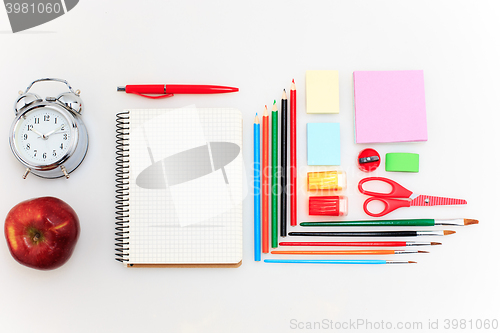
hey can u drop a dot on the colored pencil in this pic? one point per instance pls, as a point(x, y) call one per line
point(390, 223)
point(284, 139)
point(265, 181)
point(406, 233)
point(301, 261)
point(293, 155)
point(274, 177)
point(256, 188)
point(399, 244)
point(351, 252)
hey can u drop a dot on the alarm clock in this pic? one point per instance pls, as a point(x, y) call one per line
point(48, 135)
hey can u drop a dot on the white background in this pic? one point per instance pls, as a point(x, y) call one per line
point(259, 46)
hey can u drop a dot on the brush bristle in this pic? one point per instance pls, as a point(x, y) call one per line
point(435, 243)
point(448, 232)
point(423, 251)
point(470, 221)
point(412, 262)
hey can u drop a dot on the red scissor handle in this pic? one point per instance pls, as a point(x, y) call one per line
point(397, 191)
point(390, 205)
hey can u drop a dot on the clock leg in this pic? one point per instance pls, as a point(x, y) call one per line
point(64, 171)
point(26, 173)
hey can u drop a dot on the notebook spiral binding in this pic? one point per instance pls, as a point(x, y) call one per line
point(122, 186)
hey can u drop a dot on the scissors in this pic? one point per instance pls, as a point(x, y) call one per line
point(407, 197)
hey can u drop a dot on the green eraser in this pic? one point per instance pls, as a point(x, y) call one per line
point(402, 162)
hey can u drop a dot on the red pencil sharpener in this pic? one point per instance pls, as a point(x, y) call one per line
point(335, 205)
point(368, 160)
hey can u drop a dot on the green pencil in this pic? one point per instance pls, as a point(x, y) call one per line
point(391, 223)
point(274, 177)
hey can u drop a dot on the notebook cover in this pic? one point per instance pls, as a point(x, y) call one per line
point(389, 106)
point(185, 265)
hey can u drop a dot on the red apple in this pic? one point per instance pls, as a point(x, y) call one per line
point(42, 232)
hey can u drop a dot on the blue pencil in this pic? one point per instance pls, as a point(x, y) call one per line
point(256, 188)
point(373, 262)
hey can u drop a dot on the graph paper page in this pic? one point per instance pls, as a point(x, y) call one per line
point(186, 186)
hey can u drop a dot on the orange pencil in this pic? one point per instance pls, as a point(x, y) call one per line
point(349, 252)
point(265, 181)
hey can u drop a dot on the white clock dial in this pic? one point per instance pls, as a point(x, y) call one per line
point(43, 136)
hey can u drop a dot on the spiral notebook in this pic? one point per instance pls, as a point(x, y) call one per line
point(179, 188)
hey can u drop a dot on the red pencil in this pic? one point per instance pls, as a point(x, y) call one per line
point(293, 155)
point(265, 181)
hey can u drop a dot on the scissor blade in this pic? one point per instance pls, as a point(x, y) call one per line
point(427, 200)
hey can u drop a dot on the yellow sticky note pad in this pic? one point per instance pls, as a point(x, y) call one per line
point(322, 91)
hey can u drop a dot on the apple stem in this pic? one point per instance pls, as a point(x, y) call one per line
point(36, 237)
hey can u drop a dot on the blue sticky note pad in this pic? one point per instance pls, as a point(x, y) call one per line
point(323, 144)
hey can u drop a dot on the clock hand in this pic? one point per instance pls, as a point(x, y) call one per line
point(36, 132)
point(46, 135)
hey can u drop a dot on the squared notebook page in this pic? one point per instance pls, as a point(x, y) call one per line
point(185, 186)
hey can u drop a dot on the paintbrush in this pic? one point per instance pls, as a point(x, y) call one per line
point(391, 223)
point(351, 252)
point(405, 233)
point(302, 261)
point(397, 243)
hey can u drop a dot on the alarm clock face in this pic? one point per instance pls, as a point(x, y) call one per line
point(43, 136)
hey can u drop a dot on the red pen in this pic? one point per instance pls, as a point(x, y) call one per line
point(168, 90)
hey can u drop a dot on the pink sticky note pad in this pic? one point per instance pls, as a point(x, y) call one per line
point(389, 106)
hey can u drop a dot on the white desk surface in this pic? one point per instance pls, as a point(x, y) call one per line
point(259, 46)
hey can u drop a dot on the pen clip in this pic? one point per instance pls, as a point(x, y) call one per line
point(154, 97)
